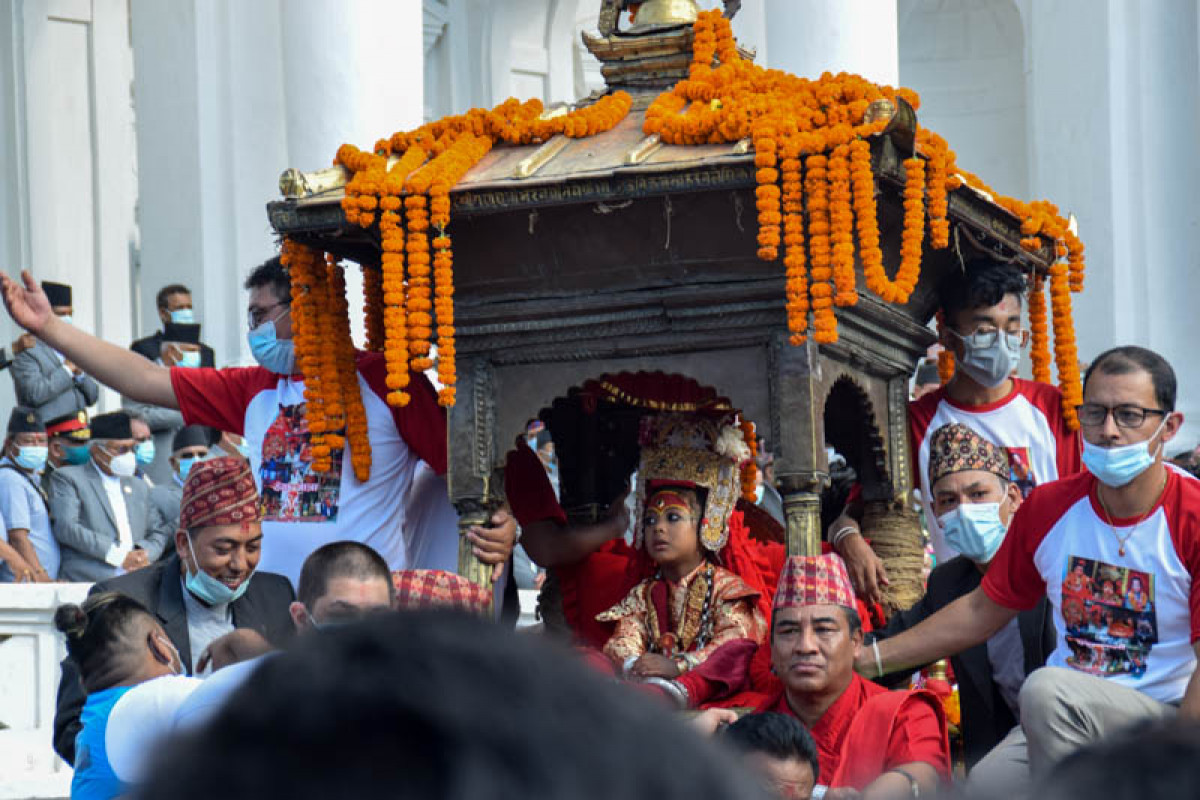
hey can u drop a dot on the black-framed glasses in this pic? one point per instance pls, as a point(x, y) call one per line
point(257, 316)
point(1126, 416)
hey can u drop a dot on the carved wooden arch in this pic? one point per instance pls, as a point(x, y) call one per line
point(854, 429)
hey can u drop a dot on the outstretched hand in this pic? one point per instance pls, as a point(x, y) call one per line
point(27, 304)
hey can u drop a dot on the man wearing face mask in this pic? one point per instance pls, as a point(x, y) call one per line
point(24, 507)
point(975, 501)
point(981, 313)
point(1129, 520)
point(104, 521)
point(188, 447)
point(266, 404)
point(45, 379)
point(174, 304)
point(177, 345)
point(209, 587)
point(68, 444)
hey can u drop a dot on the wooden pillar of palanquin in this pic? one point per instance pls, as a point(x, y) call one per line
point(474, 485)
point(800, 469)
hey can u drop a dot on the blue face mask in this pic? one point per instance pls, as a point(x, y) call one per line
point(244, 449)
point(273, 354)
point(189, 358)
point(32, 457)
point(185, 466)
point(974, 529)
point(1117, 466)
point(183, 316)
point(145, 452)
point(208, 588)
point(76, 454)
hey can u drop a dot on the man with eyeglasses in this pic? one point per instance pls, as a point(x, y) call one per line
point(981, 325)
point(1129, 521)
point(303, 509)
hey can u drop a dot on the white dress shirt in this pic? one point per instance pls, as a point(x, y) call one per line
point(115, 493)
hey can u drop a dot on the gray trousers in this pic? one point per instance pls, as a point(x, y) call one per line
point(1061, 711)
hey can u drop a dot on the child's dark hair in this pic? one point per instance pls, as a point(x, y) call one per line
point(101, 635)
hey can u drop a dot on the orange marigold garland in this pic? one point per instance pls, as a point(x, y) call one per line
point(1066, 354)
point(1040, 348)
point(793, 239)
point(420, 193)
point(767, 194)
point(816, 193)
point(373, 308)
point(443, 305)
point(940, 162)
point(418, 305)
point(306, 270)
point(945, 356)
point(347, 366)
point(841, 224)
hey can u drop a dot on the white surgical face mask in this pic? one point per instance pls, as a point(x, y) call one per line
point(1117, 466)
point(123, 466)
point(974, 529)
point(989, 366)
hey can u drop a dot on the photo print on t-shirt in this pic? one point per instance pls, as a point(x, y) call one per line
point(1020, 469)
point(1108, 617)
point(291, 490)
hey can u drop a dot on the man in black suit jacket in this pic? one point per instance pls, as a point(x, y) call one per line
point(207, 588)
point(972, 494)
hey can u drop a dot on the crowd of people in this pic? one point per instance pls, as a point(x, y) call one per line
point(243, 614)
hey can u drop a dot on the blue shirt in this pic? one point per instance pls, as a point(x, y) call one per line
point(22, 506)
point(94, 777)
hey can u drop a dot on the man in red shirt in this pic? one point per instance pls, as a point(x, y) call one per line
point(883, 744)
point(1128, 520)
point(303, 509)
point(981, 312)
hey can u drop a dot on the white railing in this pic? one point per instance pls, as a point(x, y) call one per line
point(30, 652)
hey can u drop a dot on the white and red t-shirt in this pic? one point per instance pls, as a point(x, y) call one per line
point(1028, 424)
point(304, 510)
point(1132, 619)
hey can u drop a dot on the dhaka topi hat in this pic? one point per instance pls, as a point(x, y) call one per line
point(115, 425)
point(814, 581)
point(958, 448)
point(418, 589)
point(219, 491)
point(191, 436)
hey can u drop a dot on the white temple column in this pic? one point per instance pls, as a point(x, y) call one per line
point(808, 37)
point(1109, 133)
point(230, 94)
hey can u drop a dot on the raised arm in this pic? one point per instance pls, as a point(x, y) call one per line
point(123, 370)
point(966, 622)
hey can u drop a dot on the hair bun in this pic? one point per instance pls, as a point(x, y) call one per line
point(71, 620)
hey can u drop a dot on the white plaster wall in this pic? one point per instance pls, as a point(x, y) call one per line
point(808, 37)
point(230, 94)
point(966, 59)
point(1113, 110)
point(67, 185)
